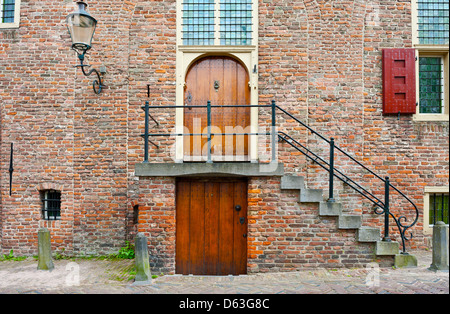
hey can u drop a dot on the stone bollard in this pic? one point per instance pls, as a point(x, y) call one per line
point(44, 250)
point(141, 259)
point(440, 247)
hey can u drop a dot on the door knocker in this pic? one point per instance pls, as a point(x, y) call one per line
point(216, 85)
point(189, 99)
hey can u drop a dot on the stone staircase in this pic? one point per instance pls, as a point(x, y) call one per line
point(345, 221)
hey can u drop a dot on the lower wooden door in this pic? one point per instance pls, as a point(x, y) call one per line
point(211, 227)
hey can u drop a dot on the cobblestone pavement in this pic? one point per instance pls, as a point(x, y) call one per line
point(106, 277)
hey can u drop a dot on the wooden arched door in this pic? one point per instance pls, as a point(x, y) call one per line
point(225, 82)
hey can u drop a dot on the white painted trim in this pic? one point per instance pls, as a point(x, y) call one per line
point(441, 52)
point(427, 228)
point(436, 189)
point(414, 22)
point(16, 23)
point(186, 55)
point(429, 50)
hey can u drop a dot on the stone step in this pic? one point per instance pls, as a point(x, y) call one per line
point(384, 248)
point(298, 183)
point(330, 209)
point(311, 195)
point(349, 222)
point(368, 234)
point(292, 183)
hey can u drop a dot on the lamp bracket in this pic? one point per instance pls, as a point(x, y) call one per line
point(97, 85)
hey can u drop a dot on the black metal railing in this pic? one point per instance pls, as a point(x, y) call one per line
point(209, 132)
point(380, 207)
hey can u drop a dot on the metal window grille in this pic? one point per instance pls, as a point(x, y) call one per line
point(433, 22)
point(431, 84)
point(235, 22)
point(51, 209)
point(7, 10)
point(198, 22)
point(439, 204)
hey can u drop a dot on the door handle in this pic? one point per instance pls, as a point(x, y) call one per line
point(238, 208)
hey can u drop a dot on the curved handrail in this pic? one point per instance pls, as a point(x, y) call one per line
point(401, 227)
point(344, 178)
point(400, 221)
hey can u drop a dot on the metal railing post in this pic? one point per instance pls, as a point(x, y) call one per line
point(331, 183)
point(11, 168)
point(146, 109)
point(386, 210)
point(273, 132)
point(208, 109)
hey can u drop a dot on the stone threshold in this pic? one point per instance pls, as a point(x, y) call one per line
point(223, 169)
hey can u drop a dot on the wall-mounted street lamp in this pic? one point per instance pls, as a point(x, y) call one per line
point(81, 27)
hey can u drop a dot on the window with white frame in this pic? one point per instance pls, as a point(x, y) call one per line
point(216, 27)
point(217, 22)
point(438, 208)
point(435, 207)
point(431, 39)
point(9, 13)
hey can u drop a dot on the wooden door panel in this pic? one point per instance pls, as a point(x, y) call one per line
point(226, 240)
point(229, 114)
point(197, 228)
point(240, 229)
point(242, 114)
point(210, 239)
point(212, 227)
point(182, 228)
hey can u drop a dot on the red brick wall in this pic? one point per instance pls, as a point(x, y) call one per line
point(157, 221)
point(63, 133)
point(285, 235)
point(333, 83)
point(37, 100)
point(321, 60)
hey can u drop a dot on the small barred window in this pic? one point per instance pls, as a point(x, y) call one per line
point(135, 214)
point(439, 204)
point(51, 209)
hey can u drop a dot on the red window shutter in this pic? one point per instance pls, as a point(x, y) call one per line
point(399, 81)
